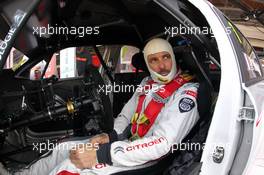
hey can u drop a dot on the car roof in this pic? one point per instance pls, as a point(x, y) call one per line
point(119, 21)
point(130, 22)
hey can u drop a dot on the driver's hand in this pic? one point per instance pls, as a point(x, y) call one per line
point(99, 139)
point(83, 157)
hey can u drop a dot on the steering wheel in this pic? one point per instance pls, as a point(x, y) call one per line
point(107, 122)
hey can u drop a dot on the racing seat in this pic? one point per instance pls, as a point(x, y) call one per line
point(131, 79)
point(139, 63)
point(187, 60)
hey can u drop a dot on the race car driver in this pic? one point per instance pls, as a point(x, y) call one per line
point(157, 116)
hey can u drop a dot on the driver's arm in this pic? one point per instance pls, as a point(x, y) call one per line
point(173, 126)
point(121, 125)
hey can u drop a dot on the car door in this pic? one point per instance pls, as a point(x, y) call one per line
point(248, 157)
point(255, 160)
point(240, 147)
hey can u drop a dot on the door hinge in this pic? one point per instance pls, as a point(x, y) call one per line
point(218, 154)
point(247, 114)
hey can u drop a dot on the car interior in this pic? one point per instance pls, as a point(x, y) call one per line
point(187, 60)
point(37, 110)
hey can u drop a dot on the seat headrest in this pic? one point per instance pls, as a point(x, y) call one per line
point(185, 59)
point(138, 62)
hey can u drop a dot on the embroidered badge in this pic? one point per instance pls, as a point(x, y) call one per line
point(186, 104)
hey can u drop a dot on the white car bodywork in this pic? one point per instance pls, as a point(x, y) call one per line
point(255, 165)
point(225, 128)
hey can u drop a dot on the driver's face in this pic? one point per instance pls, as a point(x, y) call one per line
point(160, 62)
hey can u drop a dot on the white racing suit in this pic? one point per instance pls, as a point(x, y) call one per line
point(172, 124)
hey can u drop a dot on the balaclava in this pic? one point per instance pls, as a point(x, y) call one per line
point(155, 46)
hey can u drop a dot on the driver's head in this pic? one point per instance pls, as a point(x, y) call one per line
point(160, 60)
